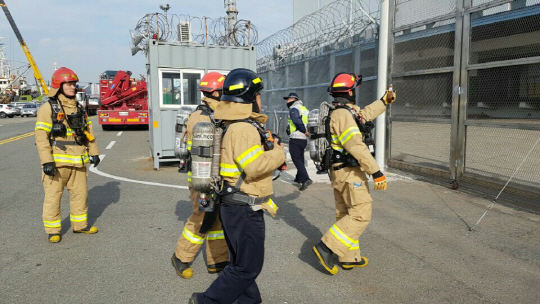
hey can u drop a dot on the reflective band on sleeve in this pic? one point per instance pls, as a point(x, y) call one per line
point(40, 125)
point(52, 224)
point(89, 122)
point(71, 159)
point(249, 156)
point(337, 148)
point(229, 170)
point(272, 204)
point(189, 144)
point(189, 176)
point(342, 237)
point(345, 136)
point(215, 235)
point(195, 239)
point(78, 218)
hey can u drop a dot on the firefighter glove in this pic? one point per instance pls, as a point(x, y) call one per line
point(95, 160)
point(380, 181)
point(49, 169)
point(388, 97)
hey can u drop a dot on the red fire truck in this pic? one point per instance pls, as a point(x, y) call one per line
point(124, 100)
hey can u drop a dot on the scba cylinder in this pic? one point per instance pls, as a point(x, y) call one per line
point(201, 156)
point(313, 129)
point(180, 147)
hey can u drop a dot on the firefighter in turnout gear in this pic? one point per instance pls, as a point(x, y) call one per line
point(248, 159)
point(352, 162)
point(191, 240)
point(66, 146)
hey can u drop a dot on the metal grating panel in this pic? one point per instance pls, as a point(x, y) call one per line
point(367, 93)
point(368, 62)
point(425, 49)
point(510, 93)
point(319, 71)
point(504, 36)
point(424, 96)
point(423, 144)
point(315, 96)
point(412, 11)
point(344, 63)
point(495, 153)
point(296, 74)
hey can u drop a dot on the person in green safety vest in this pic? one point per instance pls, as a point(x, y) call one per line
point(297, 130)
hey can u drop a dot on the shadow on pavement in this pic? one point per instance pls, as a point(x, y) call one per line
point(291, 214)
point(100, 197)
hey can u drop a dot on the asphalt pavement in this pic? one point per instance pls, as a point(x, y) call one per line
point(419, 245)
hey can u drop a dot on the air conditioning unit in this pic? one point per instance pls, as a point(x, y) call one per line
point(184, 31)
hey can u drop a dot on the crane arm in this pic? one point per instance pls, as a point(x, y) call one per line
point(37, 73)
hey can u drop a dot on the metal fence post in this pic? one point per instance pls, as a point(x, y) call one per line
point(382, 78)
point(456, 149)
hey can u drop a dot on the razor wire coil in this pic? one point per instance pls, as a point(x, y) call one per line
point(180, 28)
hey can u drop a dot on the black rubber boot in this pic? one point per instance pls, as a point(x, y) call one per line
point(182, 269)
point(350, 265)
point(217, 268)
point(325, 256)
point(193, 299)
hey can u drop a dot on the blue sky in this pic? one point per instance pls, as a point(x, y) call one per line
point(93, 36)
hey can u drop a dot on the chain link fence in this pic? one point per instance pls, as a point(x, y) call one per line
point(467, 74)
point(469, 91)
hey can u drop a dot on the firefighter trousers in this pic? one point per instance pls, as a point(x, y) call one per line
point(74, 179)
point(353, 213)
point(191, 240)
point(245, 233)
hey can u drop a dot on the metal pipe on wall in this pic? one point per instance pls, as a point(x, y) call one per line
point(382, 85)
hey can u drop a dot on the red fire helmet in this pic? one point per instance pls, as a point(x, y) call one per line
point(60, 76)
point(344, 82)
point(211, 82)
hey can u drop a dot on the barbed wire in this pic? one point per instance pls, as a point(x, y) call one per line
point(204, 30)
point(341, 21)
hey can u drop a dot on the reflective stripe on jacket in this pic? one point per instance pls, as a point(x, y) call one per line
point(73, 155)
point(242, 151)
point(347, 138)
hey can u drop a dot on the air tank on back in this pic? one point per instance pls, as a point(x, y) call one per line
point(201, 157)
point(313, 129)
point(180, 147)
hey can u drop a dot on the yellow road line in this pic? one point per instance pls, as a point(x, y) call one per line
point(5, 141)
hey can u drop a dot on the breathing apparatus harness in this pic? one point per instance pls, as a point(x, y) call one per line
point(77, 122)
point(331, 156)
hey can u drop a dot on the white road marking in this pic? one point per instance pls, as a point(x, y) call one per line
point(96, 171)
point(110, 145)
point(119, 133)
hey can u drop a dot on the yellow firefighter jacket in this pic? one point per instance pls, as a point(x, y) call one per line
point(193, 119)
point(243, 151)
point(74, 155)
point(347, 138)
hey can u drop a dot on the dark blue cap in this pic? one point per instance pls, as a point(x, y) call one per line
point(293, 95)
